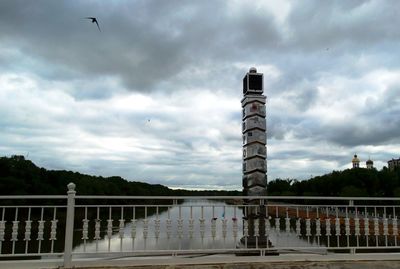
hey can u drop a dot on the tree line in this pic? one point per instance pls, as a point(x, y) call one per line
point(19, 176)
point(359, 182)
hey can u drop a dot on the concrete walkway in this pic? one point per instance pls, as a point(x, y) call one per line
point(291, 261)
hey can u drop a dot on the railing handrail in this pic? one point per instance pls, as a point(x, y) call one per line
point(12, 197)
point(237, 198)
point(117, 197)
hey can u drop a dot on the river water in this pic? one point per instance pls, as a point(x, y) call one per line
point(203, 209)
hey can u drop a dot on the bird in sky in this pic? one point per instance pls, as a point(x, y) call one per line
point(94, 20)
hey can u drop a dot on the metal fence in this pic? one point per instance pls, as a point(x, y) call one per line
point(71, 226)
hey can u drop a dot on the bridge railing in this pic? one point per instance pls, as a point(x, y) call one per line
point(72, 226)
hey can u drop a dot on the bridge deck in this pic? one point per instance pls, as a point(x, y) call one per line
point(295, 261)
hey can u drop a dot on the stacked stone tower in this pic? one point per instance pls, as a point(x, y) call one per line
point(254, 135)
point(254, 157)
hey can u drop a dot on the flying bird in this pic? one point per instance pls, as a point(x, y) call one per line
point(94, 20)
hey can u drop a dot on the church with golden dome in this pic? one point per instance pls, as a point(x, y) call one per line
point(356, 162)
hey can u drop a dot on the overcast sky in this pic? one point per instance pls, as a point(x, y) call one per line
point(155, 96)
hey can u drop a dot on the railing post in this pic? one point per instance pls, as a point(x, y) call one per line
point(69, 226)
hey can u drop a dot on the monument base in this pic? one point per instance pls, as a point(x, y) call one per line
point(253, 244)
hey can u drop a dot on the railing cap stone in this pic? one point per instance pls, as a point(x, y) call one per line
point(71, 186)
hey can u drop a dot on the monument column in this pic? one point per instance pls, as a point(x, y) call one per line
point(254, 156)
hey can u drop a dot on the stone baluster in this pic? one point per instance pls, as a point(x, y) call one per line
point(145, 228)
point(267, 226)
point(202, 227)
point(235, 228)
point(85, 227)
point(328, 226)
point(287, 224)
point(28, 227)
point(40, 230)
point(308, 227)
point(2, 230)
point(245, 228)
point(109, 228)
point(14, 234)
point(376, 226)
point(53, 230)
point(121, 228)
point(97, 225)
point(395, 227)
point(347, 226)
point(337, 226)
point(366, 225)
point(318, 227)
point(385, 227)
point(277, 224)
point(133, 229)
point(357, 226)
point(298, 227)
point(180, 228)
point(224, 227)
point(256, 228)
point(157, 226)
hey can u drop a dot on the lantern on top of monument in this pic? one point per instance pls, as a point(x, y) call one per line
point(253, 82)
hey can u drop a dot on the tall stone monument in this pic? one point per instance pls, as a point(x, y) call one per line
point(254, 135)
point(254, 156)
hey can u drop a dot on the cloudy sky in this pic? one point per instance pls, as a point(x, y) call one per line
point(155, 96)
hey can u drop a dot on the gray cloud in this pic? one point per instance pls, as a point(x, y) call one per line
point(148, 43)
point(156, 94)
point(343, 24)
point(375, 124)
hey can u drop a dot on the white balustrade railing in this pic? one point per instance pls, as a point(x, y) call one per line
point(70, 226)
